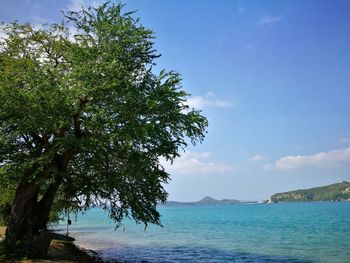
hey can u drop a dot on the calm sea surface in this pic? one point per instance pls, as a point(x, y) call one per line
point(294, 232)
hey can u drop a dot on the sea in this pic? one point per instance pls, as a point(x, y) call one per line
point(282, 232)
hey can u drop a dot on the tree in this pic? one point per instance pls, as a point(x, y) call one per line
point(84, 121)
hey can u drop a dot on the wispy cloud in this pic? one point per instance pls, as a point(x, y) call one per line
point(269, 20)
point(344, 140)
point(209, 100)
point(77, 5)
point(195, 163)
point(257, 157)
point(322, 159)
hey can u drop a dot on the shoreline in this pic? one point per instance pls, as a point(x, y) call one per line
point(61, 251)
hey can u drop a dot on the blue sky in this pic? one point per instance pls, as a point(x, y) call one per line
point(273, 78)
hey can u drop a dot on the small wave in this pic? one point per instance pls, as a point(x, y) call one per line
point(184, 254)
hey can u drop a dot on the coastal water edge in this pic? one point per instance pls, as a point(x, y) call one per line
point(285, 232)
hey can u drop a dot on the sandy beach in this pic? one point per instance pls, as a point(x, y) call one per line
point(61, 251)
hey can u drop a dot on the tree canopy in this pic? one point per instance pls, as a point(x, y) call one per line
point(84, 119)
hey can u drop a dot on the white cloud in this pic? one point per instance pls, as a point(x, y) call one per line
point(209, 100)
point(192, 163)
point(269, 20)
point(257, 157)
point(322, 159)
point(2, 35)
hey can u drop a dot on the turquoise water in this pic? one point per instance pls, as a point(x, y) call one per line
point(290, 232)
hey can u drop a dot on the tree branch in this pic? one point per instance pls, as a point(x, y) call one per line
point(76, 117)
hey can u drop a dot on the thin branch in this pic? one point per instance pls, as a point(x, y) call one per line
point(76, 117)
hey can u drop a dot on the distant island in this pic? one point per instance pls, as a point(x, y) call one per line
point(206, 201)
point(333, 192)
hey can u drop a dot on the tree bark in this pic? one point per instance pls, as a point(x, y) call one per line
point(26, 229)
point(19, 225)
point(41, 210)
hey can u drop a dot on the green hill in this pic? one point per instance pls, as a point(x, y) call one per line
point(333, 192)
point(210, 200)
point(205, 201)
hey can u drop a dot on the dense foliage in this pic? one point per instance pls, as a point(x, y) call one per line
point(84, 119)
point(333, 192)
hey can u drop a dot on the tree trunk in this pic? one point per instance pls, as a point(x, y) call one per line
point(26, 229)
point(41, 209)
point(19, 227)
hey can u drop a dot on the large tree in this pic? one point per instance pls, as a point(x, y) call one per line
point(84, 121)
